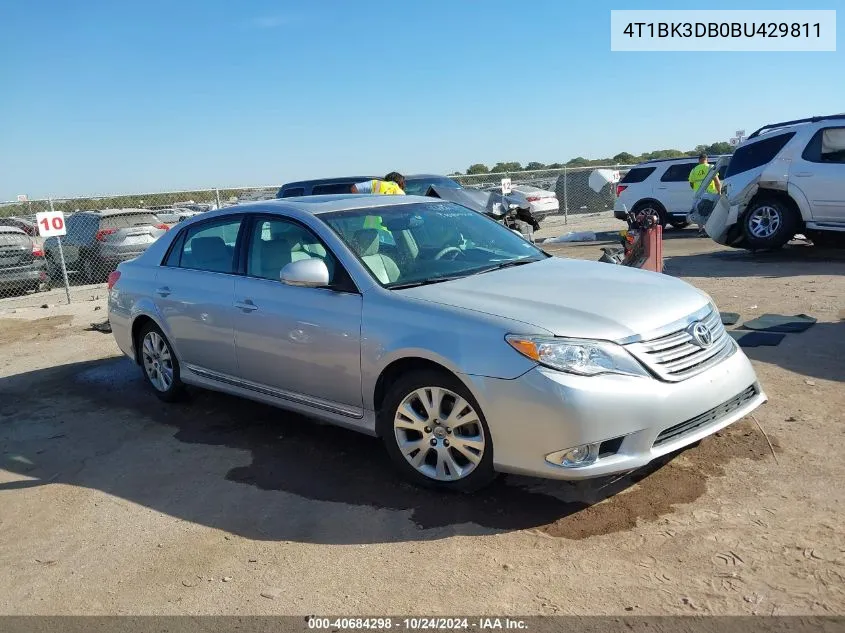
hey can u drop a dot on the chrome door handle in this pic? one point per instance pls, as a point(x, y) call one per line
point(663, 187)
point(804, 174)
point(163, 291)
point(246, 305)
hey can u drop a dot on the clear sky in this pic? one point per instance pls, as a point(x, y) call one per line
point(104, 96)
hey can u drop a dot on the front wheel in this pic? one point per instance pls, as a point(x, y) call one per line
point(161, 368)
point(436, 434)
point(768, 224)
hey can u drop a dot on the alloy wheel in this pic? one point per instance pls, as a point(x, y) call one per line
point(764, 222)
point(158, 361)
point(439, 433)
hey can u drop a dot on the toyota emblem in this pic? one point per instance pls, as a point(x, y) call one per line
point(701, 334)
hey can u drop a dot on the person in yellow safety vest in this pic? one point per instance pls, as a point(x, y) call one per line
point(699, 173)
point(696, 176)
point(393, 184)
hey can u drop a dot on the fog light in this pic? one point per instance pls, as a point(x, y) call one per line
point(576, 457)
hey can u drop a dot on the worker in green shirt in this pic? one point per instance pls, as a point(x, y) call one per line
point(696, 176)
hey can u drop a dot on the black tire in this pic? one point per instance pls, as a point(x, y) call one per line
point(90, 272)
point(176, 389)
point(54, 271)
point(769, 223)
point(655, 207)
point(480, 476)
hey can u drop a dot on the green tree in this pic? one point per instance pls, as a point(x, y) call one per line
point(555, 166)
point(506, 167)
point(477, 168)
point(624, 158)
point(534, 166)
point(578, 161)
point(721, 147)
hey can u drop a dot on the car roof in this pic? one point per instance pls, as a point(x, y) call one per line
point(324, 181)
point(316, 205)
point(678, 159)
point(421, 176)
point(109, 212)
point(784, 125)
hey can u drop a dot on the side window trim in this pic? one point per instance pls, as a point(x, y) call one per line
point(175, 248)
point(676, 168)
point(179, 243)
point(813, 152)
point(254, 221)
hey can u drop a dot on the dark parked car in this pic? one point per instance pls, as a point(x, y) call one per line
point(319, 187)
point(418, 184)
point(97, 241)
point(22, 264)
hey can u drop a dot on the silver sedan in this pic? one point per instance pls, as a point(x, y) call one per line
point(466, 349)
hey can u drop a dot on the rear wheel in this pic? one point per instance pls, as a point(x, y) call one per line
point(435, 432)
point(652, 208)
point(90, 272)
point(161, 368)
point(769, 223)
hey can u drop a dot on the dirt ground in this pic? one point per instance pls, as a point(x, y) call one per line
point(114, 503)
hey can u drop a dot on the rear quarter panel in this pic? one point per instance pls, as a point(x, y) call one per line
point(132, 296)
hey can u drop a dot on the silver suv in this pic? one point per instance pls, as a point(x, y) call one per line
point(786, 178)
point(97, 241)
point(465, 348)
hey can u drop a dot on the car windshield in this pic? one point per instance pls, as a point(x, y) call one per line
point(419, 186)
point(420, 243)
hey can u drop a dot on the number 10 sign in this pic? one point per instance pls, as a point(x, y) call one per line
point(51, 223)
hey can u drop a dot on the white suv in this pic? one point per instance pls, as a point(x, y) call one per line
point(786, 178)
point(660, 186)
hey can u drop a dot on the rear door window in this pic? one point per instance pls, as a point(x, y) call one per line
point(678, 173)
point(211, 246)
point(293, 192)
point(757, 153)
point(637, 174)
point(332, 188)
point(826, 146)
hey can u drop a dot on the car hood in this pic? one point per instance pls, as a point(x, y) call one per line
point(575, 298)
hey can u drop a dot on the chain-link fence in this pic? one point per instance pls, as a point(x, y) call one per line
point(102, 231)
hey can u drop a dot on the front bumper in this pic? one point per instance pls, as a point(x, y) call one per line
point(544, 411)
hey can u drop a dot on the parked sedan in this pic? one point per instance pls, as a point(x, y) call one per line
point(465, 348)
point(22, 264)
point(543, 203)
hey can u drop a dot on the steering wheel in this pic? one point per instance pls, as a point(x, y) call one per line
point(449, 249)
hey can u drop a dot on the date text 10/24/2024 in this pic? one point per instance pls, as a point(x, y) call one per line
point(417, 624)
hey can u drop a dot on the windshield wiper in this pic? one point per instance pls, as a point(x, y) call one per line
point(510, 264)
point(425, 282)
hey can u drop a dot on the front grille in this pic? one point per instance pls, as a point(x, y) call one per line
point(707, 418)
point(676, 356)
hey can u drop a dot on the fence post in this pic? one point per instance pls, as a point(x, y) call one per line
point(217, 195)
point(62, 260)
point(565, 197)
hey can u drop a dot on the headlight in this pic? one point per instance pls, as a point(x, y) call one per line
point(576, 356)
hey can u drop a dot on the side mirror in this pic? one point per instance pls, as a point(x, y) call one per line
point(306, 273)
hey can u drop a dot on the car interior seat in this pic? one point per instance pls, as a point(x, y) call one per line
point(273, 255)
point(210, 253)
point(366, 244)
